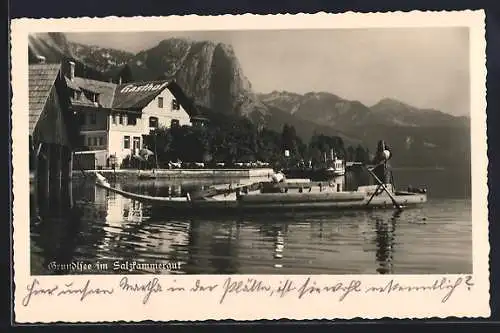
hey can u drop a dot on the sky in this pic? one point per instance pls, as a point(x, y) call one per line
point(424, 67)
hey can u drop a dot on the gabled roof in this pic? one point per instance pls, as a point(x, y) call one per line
point(127, 96)
point(41, 79)
point(82, 100)
point(137, 95)
point(187, 103)
point(103, 88)
point(72, 85)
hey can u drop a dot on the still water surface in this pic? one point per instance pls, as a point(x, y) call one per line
point(107, 228)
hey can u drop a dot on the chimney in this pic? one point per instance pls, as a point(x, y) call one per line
point(41, 59)
point(71, 70)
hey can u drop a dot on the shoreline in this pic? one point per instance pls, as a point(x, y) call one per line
point(181, 173)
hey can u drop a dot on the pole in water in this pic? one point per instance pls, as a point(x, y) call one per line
point(381, 184)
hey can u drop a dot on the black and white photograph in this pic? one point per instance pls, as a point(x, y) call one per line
point(252, 152)
point(270, 152)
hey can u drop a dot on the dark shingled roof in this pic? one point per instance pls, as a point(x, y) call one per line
point(137, 95)
point(72, 85)
point(104, 89)
point(41, 79)
point(132, 95)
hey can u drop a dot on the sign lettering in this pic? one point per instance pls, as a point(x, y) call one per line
point(132, 88)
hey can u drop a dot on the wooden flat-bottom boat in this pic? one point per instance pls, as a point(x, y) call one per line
point(269, 196)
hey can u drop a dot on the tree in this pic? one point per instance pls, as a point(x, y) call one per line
point(230, 139)
point(360, 155)
point(159, 141)
point(125, 74)
point(350, 154)
point(290, 141)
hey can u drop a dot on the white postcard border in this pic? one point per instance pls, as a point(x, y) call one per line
point(466, 301)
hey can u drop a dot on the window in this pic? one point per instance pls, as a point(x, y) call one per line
point(95, 98)
point(137, 142)
point(89, 141)
point(174, 123)
point(153, 122)
point(126, 142)
point(93, 118)
point(175, 105)
point(101, 141)
point(114, 119)
point(88, 95)
point(132, 119)
point(78, 94)
point(120, 119)
point(160, 102)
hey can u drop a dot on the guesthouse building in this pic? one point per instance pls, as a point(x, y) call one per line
point(115, 118)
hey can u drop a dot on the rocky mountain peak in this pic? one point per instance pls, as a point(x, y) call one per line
point(207, 71)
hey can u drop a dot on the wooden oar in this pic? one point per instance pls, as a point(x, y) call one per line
point(381, 184)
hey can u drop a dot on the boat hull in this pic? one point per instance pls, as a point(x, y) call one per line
point(256, 202)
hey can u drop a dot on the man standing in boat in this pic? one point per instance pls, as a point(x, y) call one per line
point(382, 157)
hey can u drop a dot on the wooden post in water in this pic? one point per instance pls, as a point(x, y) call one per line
point(67, 165)
point(60, 164)
point(46, 171)
point(70, 176)
point(43, 177)
point(66, 172)
point(70, 171)
point(56, 196)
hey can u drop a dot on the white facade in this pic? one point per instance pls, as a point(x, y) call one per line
point(126, 128)
point(165, 108)
point(124, 139)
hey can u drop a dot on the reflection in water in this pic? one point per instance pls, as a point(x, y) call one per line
point(54, 227)
point(105, 227)
point(279, 245)
point(385, 237)
point(222, 250)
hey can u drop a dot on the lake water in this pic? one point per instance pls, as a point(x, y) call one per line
point(105, 228)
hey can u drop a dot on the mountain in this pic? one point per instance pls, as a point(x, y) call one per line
point(391, 111)
point(211, 75)
point(305, 129)
point(53, 47)
point(101, 59)
point(208, 72)
point(418, 137)
point(329, 109)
